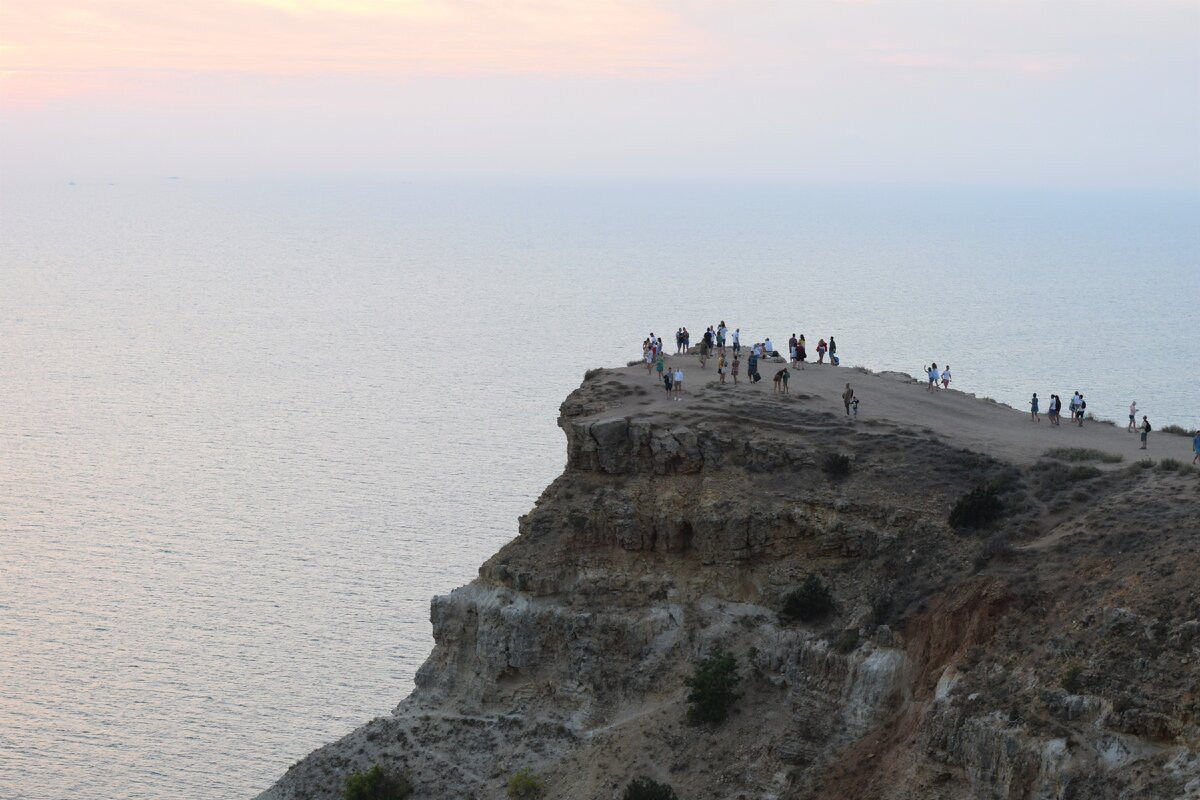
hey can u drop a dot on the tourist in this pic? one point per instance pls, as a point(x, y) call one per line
point(1082, 410)
point(1073, 406)
point(1145, 431)
point(649, 359)
point(778, 382)
point(946, 377)
point(704, 351)
point(854, 407)
point(801, 351)
point(833, 359)
point(786, 375)
point(737, 342)
point(678, 380)
point(721, 333)
point(752, 367)
point(660, 364)
point(1055, 409)
point(932, 373)
point(769, 349)
point(668, 382)
point(1033, 409)
point(687, 340)
point(821, 348)
point(721, 365)
point(1196, 447)
point(734, 370)
point(1133, 409)
point(793, 343)
point(848, 398)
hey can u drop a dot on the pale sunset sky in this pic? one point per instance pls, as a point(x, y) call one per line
point(1095, 93)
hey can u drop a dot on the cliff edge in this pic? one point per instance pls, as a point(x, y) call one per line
point(1005, 622)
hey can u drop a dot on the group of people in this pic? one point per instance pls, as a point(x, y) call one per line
point(716, 336)
point(934, 375)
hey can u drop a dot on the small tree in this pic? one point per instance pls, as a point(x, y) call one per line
point(377, 784)
point(811, 602)
point(525, 785)
point(712, 686)
point(646, 789)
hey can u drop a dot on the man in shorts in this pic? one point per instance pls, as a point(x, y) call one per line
point(678, 382)
point(1145, 431)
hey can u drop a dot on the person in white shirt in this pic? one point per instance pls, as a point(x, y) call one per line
point(946, 377)
point(737, 340)
point(1133, 409)
point(678, 381)
point(770, 348)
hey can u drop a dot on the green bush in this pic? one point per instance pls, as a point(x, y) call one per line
point(646, 789)
point(977, 508)
point(525, 785)
point(1178, 430)
point(811, 602)
point(1082, 454)
point(1072, 678)
point(1172, 465)
point(836, 465)
point(712, 685)
point(376, 784)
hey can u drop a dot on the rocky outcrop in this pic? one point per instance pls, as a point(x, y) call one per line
point(1054, 654)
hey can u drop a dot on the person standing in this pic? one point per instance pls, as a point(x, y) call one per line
point(1056, 402)
point(793, 343)
point(678, 382)
point(801, 351)
point(848, 398)
point(687, 340)
point(737, 343)
point(946, 377)
point(821, 348)
point(1196, 447)
point(1082, 410)
point(721, 365)
point(1145, 431)
point(786, 375)
point(833, 359)
point(660, 364)
point(734, 370)
point(932, 373)
point(1133, 409)
point(1033, 409)
point(722, 332)
point(752, 367)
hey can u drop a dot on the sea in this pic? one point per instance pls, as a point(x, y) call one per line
point(249, 428)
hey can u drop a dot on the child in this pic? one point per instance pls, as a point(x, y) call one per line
point(668, 382)
point(786, 375)
point(736, 363)
point(854, 407)
point(778, 381)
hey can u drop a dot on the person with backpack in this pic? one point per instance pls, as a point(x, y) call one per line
point(1082, 410)
point(1145, 430)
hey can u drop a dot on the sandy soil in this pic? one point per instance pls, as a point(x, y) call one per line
point(951, 415)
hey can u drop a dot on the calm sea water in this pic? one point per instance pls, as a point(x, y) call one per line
point(247, 431)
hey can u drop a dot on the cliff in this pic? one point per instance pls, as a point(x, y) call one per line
point(1053, 651)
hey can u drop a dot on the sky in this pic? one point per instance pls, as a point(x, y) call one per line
point(1046, 93)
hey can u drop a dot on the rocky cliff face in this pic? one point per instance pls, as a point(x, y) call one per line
point(1054, 653)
